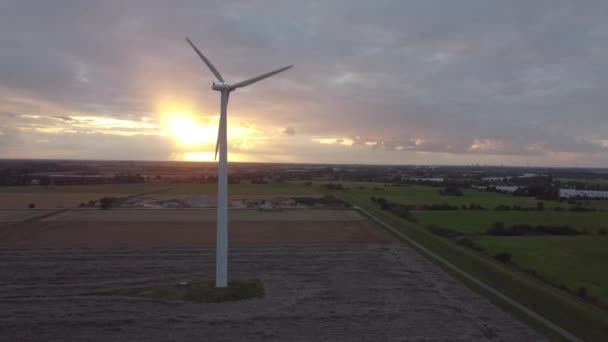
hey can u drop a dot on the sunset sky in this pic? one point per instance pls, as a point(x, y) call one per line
point(398, 82)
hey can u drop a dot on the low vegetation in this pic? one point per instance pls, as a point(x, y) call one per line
point(327, 201)
point(499, 229)
point(394, 208)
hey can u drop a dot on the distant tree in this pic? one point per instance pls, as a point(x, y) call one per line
point(503, 257)
point(32, 205)
point(540, 206)
point(106, 202)
point(451, 190)
point(582, 292)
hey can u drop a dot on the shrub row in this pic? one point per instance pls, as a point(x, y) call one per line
point(325, 201)
point(397, 209)
point(499, 229)
point(444, 232)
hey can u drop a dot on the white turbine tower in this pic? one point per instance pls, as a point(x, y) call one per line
point(221, 247)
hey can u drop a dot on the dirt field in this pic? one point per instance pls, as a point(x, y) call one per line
point(339, 279)
point(18, 215)
point(95, 228)
point(345, 293)
point(50, 200)
point(204, 215)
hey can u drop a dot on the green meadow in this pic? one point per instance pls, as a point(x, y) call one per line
point(572, 261)
point(477, 221)
point(417, 194)
point(590, 181)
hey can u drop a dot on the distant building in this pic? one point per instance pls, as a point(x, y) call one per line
point(573, 193)
point(421, 179)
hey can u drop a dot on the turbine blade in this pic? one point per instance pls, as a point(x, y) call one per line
point(211, 67)
point(219, 130)
point(258, 78)
point(217, 144)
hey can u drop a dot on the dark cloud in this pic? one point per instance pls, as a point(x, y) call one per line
point(289, 131)
point(512, 78)
point(63, 117)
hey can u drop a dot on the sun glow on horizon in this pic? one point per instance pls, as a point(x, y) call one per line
point(195, 136)
point(187, 131)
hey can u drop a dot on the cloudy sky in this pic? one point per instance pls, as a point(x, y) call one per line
point(399, 82)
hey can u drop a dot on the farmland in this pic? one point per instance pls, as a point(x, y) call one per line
point(418, 195)
point(332, 274)
point(575, 261)
point(68, 196)
point(571, 262)
point(476, 222)
point(588, 181)
point(72, 196)
point(545, 272)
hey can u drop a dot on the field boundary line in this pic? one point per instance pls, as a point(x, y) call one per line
point(547, 323)
point(35, 218)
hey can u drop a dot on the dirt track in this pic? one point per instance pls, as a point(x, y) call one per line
point(341, 293)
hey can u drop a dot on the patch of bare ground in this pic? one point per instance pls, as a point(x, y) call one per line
point(49, 200)
point(332, 293)
point(61, 234)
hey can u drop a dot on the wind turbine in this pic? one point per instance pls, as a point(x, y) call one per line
point(221, 247)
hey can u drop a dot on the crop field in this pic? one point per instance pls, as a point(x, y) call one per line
point(275, 189)
point(573, 261)
point(327, 274)
point(204, 215)
point(69, 196)
point(96, 228)
point(329, 293)
point(477, 221)
point(16, 197)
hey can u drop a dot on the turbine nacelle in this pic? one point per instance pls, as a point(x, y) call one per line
point(221, 86)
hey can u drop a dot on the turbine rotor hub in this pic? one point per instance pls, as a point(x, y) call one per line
point(220, 86)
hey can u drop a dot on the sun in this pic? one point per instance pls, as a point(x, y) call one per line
point(187, 131)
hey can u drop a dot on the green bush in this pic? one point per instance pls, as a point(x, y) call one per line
point(444, 232)
point(503, 257)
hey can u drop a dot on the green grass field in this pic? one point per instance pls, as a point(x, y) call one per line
point(574, 261)
point(416, 194)
point(476, 221)
point(597, 181)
